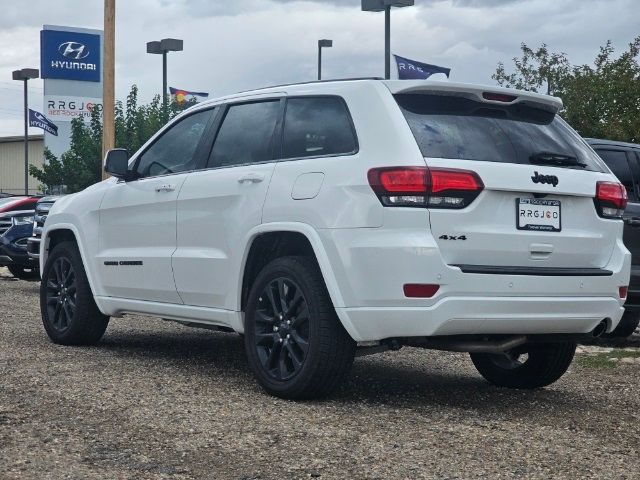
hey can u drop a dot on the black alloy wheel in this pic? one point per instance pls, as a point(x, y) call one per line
point(61, 291)
point(282, 328)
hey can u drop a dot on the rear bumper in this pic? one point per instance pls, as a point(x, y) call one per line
point(483, 315)
point(372, 265)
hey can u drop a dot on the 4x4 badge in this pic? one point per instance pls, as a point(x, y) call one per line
point(550, 179)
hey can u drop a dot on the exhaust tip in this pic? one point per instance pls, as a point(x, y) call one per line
point(600, 329)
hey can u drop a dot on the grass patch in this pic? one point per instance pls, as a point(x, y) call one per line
point(596, 361)
point(603, 360)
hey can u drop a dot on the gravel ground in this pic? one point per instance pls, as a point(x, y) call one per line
point(158, 400)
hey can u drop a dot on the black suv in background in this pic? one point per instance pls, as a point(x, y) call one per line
point(624, 161)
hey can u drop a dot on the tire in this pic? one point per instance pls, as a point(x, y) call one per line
point(69, 313)
point(24, 273)
point(628, 324)
point(544, 364)
point(293, 351)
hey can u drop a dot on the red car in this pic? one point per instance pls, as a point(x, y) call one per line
point(15, 204)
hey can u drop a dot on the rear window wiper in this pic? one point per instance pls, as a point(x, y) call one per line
point(555, 159)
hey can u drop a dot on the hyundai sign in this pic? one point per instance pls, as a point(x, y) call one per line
point(70, 55)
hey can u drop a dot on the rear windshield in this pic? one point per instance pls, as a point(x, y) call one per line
point(465, 129)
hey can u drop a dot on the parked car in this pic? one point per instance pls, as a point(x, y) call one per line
point(330, 219)
point(41, 211)
point(624, 161)
point(16, 225)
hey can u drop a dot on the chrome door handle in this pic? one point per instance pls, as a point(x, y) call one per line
point(165, 188)
point(251, 177)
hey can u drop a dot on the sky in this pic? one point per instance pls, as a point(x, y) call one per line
point(236, 45)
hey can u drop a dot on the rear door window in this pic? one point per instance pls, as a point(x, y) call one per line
point(461, 128)
point(317, 126)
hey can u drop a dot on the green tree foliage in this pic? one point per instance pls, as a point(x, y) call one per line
point(601, 101)
point(81, 165)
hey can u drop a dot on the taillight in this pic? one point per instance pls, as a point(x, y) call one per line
point(425, 187)
point(611, 199)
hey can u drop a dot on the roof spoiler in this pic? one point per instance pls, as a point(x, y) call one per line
point(490, 95)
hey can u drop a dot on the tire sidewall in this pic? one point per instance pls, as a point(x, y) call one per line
point(84, 295)
point(277, 269)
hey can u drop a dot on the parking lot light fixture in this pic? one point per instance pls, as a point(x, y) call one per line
point(324, 43)
point(385, 6)
point(25, 75)
point(162, 47)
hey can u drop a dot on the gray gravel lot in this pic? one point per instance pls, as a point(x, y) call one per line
point(158, 400)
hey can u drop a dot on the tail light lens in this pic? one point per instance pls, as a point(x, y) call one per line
point(611, 199)
point(425, 187)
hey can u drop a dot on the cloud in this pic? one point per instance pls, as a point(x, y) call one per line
point(241, 44)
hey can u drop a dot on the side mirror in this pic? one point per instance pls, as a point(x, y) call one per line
point(117, 163)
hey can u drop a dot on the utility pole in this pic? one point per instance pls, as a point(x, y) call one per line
point(24, 75)
point(108, 92)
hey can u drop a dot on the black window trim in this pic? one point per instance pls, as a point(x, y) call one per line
point(215, 130)
point(198, 153)
point(330, 155)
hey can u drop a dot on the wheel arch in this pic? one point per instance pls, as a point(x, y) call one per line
point(281, 239)
point(60, 233)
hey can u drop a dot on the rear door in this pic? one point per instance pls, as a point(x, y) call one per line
point(219, 205)
point(537, 207)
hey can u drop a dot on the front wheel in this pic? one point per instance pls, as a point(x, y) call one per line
point(527, 367)
point(69, 313)
point(24, 273)
point(296, 346)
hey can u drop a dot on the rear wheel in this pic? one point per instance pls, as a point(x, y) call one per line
point(529, 366)
point(24, 273)
point(69, 313)
point(628, 324)
point(295, 343)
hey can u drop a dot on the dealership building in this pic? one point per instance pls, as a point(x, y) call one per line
point(12, 163)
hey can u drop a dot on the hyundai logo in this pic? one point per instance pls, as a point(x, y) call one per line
point(73, 50)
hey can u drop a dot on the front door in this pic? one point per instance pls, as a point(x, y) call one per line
point(138, 217)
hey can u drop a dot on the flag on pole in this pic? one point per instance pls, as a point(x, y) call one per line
point(38, 120)
point(181, 96)
point(412, 70)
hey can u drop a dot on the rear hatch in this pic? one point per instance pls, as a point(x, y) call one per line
point(537, 206)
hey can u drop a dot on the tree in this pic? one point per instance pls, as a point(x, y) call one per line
point(81, 165)
point(601, 101)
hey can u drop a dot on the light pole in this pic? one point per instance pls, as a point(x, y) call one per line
point(322, 43)
point(385, 6)
point(24, 75)
point(162, 47)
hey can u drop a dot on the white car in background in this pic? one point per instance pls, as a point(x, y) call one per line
point(332, 218)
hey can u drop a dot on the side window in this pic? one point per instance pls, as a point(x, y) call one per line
point(617, 161)
point(175, 150)
point(246, 134)
point(317, 126)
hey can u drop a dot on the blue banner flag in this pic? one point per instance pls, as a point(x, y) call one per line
point(412, 70)
point(180, 96)
point(38, 120)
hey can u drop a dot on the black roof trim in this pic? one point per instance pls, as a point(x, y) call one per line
point(610, 143)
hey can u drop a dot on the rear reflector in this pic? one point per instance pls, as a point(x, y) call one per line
point(611, 199)
point(498, 97)
point(623, 292)
point(425, 187)
point(420, 290)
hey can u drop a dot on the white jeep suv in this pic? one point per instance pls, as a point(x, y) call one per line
point(331, 219)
